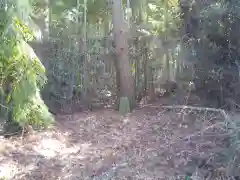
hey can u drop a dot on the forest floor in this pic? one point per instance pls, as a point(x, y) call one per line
point(151, 143)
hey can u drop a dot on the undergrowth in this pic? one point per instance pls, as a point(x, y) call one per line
point(21, 73)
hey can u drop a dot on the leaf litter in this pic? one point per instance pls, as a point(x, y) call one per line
point(149, 144)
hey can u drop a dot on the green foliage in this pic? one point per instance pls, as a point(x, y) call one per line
point(21, 69)
point(161, 17)
point(164, 16)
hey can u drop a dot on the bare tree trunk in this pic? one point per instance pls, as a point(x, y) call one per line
point(137, 66)
point(151, 90)
point(145, 86)
point(86, 78)
point(121, 31)
point(168, 67)
point(118, 85)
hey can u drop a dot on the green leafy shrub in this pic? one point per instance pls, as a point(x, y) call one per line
point(22, 70)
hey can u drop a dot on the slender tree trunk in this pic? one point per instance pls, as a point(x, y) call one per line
point(151, 90)
point(120, 31)
point(168, 67)
point(145, 85)
point(137, 66)
point(118, 82)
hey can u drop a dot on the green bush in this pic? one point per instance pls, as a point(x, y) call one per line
point(21, 70)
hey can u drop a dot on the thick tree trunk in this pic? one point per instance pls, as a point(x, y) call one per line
point(120, 30)
point(86, 59)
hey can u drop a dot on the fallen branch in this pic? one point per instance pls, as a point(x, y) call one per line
point(201, 131)
point(4, 106)
point(235, 103)
point(188, 138)
point(222, 112)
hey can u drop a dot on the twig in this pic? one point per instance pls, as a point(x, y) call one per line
point(190, 136)
point(110, 172)
point(224, 114)
point(201, 131)
point(9, 134)
point(4, 106)
point(235, 103)
point(22, 134)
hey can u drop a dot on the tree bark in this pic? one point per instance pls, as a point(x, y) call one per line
point(120, 31)
point(86, 58)
point(118, 85)
point(151, 90)
point(137, 67)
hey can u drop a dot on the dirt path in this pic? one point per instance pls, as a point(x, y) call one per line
point(149, 144)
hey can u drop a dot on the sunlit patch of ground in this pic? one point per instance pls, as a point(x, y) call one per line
point(147, 144)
